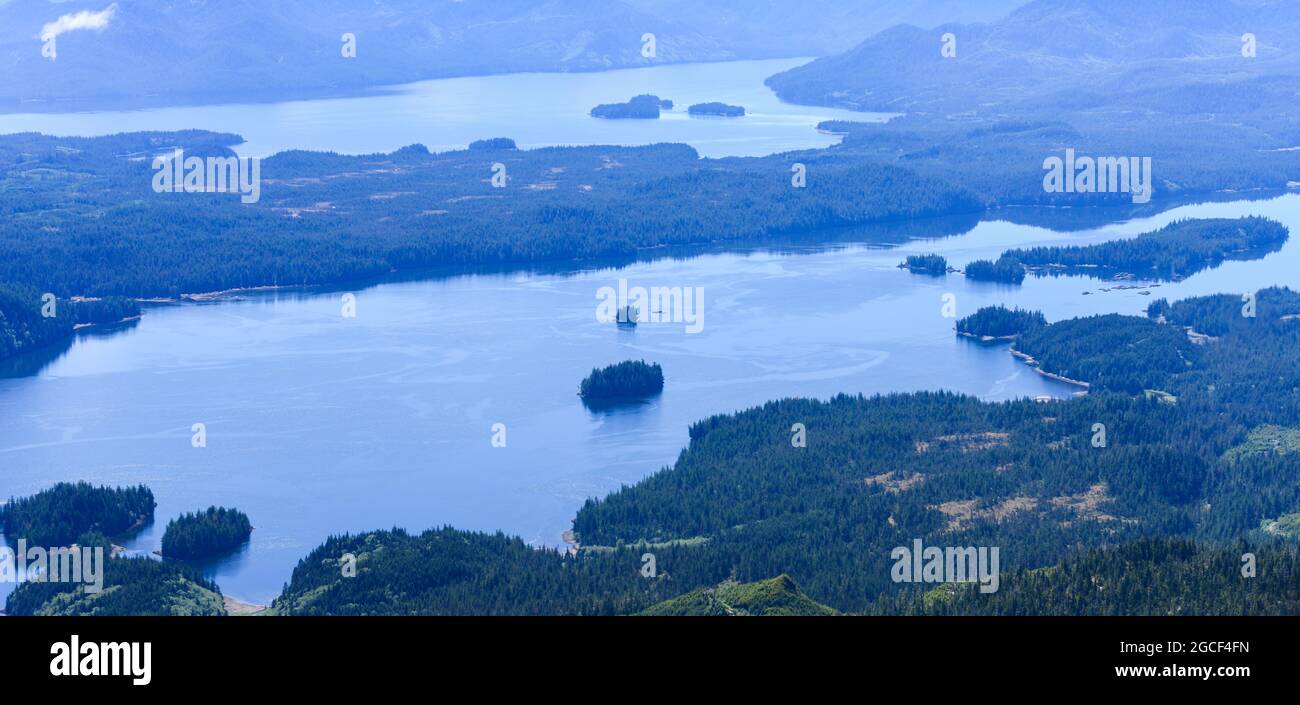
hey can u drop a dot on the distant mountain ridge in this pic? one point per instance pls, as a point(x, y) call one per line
point(818, 27)
point(1175, 55)
point(175, 51)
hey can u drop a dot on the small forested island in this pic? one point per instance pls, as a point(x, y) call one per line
point(1008, 270)
point(999, 323)
point(716, 110)
point(1174, 252)
point(76, 513)
point(632, 379)
point(934, 265)
point(642, 107)
point(212, 532)
point(493, 144)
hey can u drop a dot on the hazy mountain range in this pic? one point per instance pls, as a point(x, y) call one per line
point(144, 51)
point(1182, 56)
point(815, 27)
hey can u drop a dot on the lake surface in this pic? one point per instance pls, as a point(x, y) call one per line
point(536, 110)
point(321, 424)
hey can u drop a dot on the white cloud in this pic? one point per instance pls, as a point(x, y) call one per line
point(80, 20)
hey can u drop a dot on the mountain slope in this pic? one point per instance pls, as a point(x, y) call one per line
point(132, 586)
point(1164, 80)
point(778, 597)
point(1160, 54)
point(243, 47)
point(817, 27)
point(1159, 577)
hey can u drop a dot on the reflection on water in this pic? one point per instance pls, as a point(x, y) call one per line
point(33, 362)
point(232, 560)
point(610, 407)
point(1068, 219)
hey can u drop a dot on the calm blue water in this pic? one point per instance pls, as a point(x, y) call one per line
point(320, 424)
point(536, 110)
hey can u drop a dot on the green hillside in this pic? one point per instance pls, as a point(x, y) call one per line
point(778, 597)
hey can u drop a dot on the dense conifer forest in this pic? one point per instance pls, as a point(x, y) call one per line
point(1120, 353)
point(1158, 576)
point(446, 571)
point(324, 218)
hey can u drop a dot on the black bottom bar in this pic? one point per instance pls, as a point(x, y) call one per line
point(979, 657)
